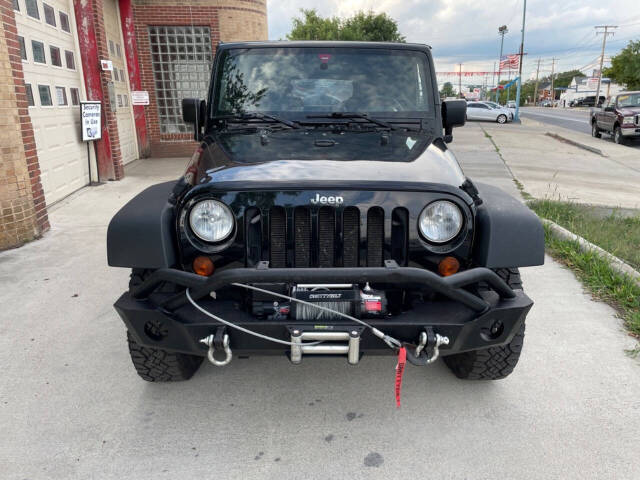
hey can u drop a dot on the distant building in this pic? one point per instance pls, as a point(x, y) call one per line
point(581, 87)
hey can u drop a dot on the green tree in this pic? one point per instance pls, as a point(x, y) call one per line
point(363, 26)
point(625, 67)
point(447, 90)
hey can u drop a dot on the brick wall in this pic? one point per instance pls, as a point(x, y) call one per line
point(228, 20)
point(23, 214)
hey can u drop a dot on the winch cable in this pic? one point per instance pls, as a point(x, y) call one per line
point(245, 330)
point(390, 341)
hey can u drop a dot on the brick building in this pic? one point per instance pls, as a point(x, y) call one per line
point(50, 61)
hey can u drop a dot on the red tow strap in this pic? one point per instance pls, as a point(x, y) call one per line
point(402, 360)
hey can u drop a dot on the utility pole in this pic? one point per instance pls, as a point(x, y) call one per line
point(502, 31)
point(604, 43)
point(460, 81)
point(535, 90)
point(519, 89)
point(553, 93)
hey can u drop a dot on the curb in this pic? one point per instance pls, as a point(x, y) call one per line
point(577, 144)
point(616, 264)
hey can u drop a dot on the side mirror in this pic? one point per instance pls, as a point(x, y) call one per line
point(194, 111)
point(609, 109)
point(454, 113)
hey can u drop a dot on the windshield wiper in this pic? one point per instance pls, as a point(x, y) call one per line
point(354, 115)
point(257, 116)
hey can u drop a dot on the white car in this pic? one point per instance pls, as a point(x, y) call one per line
point(482, 111)
point(508, 109)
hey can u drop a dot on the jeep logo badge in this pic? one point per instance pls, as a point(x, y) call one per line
point(330, 200)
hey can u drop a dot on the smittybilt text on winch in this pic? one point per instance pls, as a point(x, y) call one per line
point(324, 214)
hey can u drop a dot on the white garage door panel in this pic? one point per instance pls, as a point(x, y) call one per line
point(61, 154)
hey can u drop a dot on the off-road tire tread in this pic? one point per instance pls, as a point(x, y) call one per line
point(156, 365)
point(496, 362)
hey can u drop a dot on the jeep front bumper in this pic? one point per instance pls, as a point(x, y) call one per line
point(470, 321)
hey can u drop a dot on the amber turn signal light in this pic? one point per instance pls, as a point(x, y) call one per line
point(203, 266)
point(448, 266)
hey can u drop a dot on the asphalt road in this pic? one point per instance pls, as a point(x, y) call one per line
point(71, 406)
point(576, 120)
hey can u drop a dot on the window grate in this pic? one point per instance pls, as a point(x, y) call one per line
point(181, 59)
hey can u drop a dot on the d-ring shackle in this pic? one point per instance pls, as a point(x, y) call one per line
point(209, 341)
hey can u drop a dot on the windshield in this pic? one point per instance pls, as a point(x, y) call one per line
point(631, 100)
point(294, 82)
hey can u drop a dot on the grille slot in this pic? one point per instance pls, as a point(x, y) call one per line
point(399, 235)
point(351, 236)
point(302, 228)
point(277, 234)
point(375, 237)
point(254, 236)
point(326, 237)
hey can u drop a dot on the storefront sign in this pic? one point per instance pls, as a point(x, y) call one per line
point(107, 65)
point(91, 120)
point(140, 97)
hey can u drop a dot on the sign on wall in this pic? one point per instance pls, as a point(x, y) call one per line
point(107, 65)
point(140, 97)
point(91, 120)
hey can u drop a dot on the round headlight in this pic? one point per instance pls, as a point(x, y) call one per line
point(440, 221)
point(211, 221)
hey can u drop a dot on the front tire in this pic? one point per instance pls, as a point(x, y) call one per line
point(492, 363)
point(617, 136)
point(156, 365)
point(501, 118)
point(595, 131)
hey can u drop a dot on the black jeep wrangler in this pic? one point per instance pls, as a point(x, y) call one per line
point(324, 214)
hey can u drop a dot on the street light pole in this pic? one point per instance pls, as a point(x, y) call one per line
point(502, 31)
point(518, 90)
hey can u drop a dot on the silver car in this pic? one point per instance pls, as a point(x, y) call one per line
point(482, 111)
point(506, 108)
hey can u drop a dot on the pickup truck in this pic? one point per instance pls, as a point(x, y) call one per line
point(620, 117)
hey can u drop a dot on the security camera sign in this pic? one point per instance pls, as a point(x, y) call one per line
point(91, 120)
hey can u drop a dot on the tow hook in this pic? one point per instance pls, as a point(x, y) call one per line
point(428, 349)
point(219, 341)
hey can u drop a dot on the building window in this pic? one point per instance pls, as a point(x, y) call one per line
point(119, 101)
point(29, 94)
point(38, 51)
point(16, 5)
point(115, 75)
point(49, 15)
point(75, 96)
point(23, 48)
point(61, 94)
point(181, 59)
point(112, 48)
point(118, 51)
point(126, 100)
point(64, 22)
point(70, 59)
point(32, 8)
point(56, 59)
point(122, 77)
point(45, 95)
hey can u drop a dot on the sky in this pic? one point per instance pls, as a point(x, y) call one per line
point(465, 31)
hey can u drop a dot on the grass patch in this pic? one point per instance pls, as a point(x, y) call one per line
point(617, 234)
point(620, 291)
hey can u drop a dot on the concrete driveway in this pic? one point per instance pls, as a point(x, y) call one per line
point(71, 406)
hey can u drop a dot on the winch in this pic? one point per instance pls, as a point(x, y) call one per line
point(348, 299)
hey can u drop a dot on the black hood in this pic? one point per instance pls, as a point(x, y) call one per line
point(302, 155)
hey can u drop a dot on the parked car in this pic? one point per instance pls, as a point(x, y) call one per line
point(620, 117)
point(323, 213)
point(500, 107)
point(590, 101)
point(482, 111)
point(511, 104)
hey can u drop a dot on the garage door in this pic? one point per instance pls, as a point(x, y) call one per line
point(50, 62)
point(120, 78)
